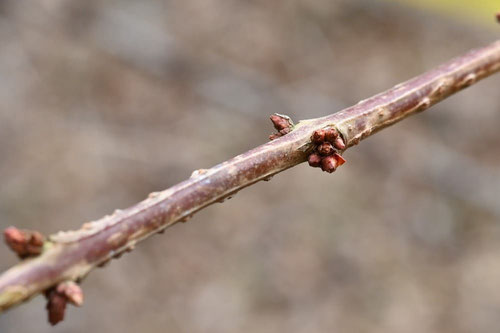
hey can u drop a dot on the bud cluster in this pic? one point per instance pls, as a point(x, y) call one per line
point(26, 243)
point(328, 142)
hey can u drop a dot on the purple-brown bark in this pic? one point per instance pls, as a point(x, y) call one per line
point(70, 256)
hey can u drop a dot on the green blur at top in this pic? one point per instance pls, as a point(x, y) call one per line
point(479, 11)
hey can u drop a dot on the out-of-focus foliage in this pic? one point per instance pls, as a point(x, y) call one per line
point(481, 11)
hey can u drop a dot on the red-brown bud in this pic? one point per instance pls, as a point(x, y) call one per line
point(325, 149)
point(25, 243)
point(329, 164)
point(285, 131)
point(37, 239)
point(339, 143)
point(318, 136)
point(498, 17)
point(59, 296)
point(331, 134)
point(274, 136)
point(15, 239)
point(56, 306)
point(280, 122)
point(314, 160)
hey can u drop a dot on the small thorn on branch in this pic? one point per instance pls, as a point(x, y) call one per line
point(26, 243)
point(283, 124)
point(59, 296)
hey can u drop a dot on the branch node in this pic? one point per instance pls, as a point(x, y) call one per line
point(328, 143)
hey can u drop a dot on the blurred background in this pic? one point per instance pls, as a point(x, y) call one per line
point(102, 102)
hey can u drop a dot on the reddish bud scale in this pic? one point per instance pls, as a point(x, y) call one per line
point(329, 164)
point(25, 243)
point(339, 158)
point(314, 160)
point(331, 134)
point(37, 238)
point(318, 137)
point(56, 306)
point(274, 136)
point(285, 131)
point(15, 239)
point(339, 143)
point(325, 149)
point(59, 296)
point(498, 17)
point(282, 124)
point(279, 122)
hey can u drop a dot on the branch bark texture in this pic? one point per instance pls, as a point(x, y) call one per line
point(70, 256)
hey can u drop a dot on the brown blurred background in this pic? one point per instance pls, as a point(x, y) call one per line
point(102, 102)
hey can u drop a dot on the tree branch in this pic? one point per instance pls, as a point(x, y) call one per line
point(70, 256)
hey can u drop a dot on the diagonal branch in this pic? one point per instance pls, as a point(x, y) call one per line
point(70, 256)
